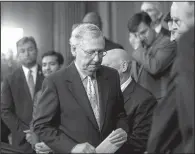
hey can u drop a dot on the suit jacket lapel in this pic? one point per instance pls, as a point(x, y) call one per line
point(78, 91)
point(103, 90)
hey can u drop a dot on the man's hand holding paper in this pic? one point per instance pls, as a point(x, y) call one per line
point(113, 142)
point(118, 137)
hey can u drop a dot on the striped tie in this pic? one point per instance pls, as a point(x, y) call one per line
point(31, 84)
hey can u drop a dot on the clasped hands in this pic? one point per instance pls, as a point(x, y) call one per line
point(40, 147)
point(117, 137)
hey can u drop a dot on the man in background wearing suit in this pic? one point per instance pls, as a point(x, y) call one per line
point(85, 98)
point(154, 10)
point(153, 54)
point(94, 18)
point(18, 93)
point(139, 103)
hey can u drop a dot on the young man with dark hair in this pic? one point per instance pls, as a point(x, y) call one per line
point(51, 63)
point(153, 54)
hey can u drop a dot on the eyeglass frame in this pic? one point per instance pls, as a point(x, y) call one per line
point(92, 55)
point(177, 21)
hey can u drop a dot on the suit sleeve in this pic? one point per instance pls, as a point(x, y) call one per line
point(156, 61)
point(119, 111)
point(47, 108)
point(8, 114)
point(142, 125)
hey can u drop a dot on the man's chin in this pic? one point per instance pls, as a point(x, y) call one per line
point(94, 67)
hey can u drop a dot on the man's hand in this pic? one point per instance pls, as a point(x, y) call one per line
point(135, 41)
point(41, 147)
point(31, 137)
point(118, 137)
point(83, 148)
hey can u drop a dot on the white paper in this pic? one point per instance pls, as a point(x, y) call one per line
point(106, 146)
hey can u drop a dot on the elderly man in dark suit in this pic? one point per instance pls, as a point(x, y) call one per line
point(153, 54)
point(18, 92)
point(94, 18)
point(85, 98)
point(185, 73)
point(139, 103)
point(173, 123)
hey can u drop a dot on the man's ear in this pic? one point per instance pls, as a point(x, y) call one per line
point(73, 50)
point(124, 66)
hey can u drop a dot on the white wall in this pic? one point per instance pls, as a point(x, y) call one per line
point(34, 17)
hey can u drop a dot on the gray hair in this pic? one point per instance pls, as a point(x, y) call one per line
point(156, 5)
point(84, 31)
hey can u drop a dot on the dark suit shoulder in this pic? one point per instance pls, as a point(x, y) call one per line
point(142, 94)
point(108, 71)
point(166, 42)
point(14, 75)
point(109, 45)
point(165, 32)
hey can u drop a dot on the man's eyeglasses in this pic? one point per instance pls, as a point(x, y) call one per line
point(175, 21)
point(92, 54)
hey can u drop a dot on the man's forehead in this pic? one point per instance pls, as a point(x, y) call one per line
point(146, 6)
point(49, 58)
point(89, 40)
point(142, 26)
point(174, 10)
point(26, 44)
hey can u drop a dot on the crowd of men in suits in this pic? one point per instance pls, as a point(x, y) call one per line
point(143, 99)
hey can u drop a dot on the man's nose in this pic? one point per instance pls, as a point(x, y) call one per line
point(174, 26)
point(48, 67)
point(26, 53)
point(96, 58)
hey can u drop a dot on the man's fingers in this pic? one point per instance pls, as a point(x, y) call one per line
point(118, 140)
point(114, 133)
point(118, 144)
point(89, 148)
point(26, 131)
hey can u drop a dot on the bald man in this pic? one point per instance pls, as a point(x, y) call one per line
point(138, 102)
point(94, 18)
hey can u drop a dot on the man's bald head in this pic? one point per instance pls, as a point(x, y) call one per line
point(118, 59)
point(117, 55)
point(93, 18)
point(182, 14)
point(186, 12)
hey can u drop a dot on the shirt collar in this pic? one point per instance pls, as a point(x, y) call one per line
point(33, 69)
point(126, 83)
